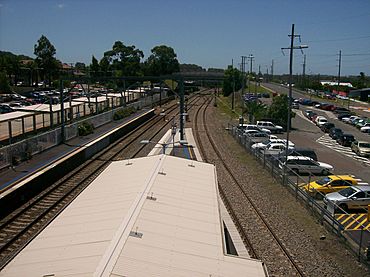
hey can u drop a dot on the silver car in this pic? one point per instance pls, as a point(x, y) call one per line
point(301, 164)
point(354, 197)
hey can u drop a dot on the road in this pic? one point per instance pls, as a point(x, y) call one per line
point(306, 134)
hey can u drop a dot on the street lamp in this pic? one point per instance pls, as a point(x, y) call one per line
point(164, 144)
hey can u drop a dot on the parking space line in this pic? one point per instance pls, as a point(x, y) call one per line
point(354, 221)
point(347, 219)
point(328, 142)
point(340, 217)
point(361, 224)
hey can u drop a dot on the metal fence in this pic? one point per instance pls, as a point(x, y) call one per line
point(21, 151)
point(292, 181)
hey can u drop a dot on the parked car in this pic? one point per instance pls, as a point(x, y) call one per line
point(366, 129)
point(349, 119)
point(275, 149)
point(361, 148)
point(257, 137)
point(331, 183)
point(345, 139)
point(267, 143)
point(270, 126)
point(340, 116)
point(354, 197)
point(295, 105)
point(327, 107)
point(4, 108)
point(305, 152)
point(320, 120)
point(334, 133)
point(300, 164)
point(355, 121)
point(339, 110)
point(246, 127)
point(326, 127)
point(362, 122)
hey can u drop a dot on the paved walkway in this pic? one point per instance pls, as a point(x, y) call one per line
point(13, 174)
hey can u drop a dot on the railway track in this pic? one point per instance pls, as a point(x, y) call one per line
point(277, 257)
point(21, 226)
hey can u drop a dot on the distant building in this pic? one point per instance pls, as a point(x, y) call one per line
point(362, 93)
point(330, 83)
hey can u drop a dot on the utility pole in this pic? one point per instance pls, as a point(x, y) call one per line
point(243, 73)
point(304, 71)
point(272, 69)
point(250, 57)
point(233, 96)
point(339, 65)
point(291, 48)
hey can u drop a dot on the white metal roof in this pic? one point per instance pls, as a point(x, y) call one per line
point(114, 229)
point(13, 115)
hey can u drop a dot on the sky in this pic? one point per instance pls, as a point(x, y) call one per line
point(203, 32)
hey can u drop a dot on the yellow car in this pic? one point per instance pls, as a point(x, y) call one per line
point(331, 183)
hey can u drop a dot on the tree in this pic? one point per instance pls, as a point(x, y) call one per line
point(233, 77)
point(256, 110)
point(279, 110)
point(94, 67)
point(45, 59)
point(80, 66)
point(123, 58)
point(4, 84)
point(162, 61)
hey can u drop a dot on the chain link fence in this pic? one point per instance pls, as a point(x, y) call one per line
point(24, 150)
point(359, 240)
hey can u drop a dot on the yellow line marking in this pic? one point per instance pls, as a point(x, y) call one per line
point(348, 218)
point(340, 217)
point(361, 224)
point(191, 154)
point(354, 221)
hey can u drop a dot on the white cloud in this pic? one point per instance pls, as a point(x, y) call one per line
point(60, 6)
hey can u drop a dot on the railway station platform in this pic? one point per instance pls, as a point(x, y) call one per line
point(13, 174)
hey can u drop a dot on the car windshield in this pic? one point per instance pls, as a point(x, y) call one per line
point(364, 145)
point(347, 192)
point(323, 181)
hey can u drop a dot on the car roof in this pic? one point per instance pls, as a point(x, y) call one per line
point(362, 188)
point(342, 177)
point(299, 158)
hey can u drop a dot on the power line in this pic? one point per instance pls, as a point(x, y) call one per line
point(338, 39)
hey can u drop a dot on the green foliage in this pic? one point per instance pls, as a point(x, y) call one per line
point(255, 110)
point(45, 52)
point(122, 113)
point(85, 128)
point(361, 81)
point(191, 68)
point(4, 84)
point(124, 58)
point(233, 77)
point(162, 61)
point(279, 110)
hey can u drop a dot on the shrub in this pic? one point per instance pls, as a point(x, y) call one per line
point(122, 113)
point(85, 128)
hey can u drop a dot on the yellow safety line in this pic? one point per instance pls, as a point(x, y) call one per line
point(340, 217)
point(191, 155)
point(354, 221)
point(361, 224)
point(348, 218)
